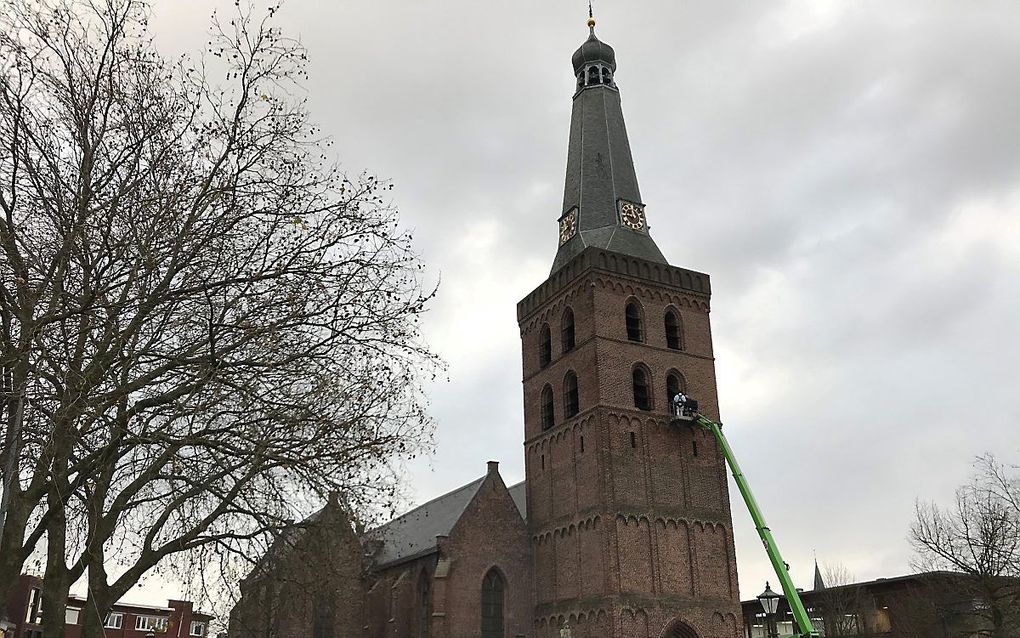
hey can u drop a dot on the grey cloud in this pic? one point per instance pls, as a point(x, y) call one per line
point(821, 160)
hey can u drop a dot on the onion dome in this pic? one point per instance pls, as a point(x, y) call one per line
point(593, 50)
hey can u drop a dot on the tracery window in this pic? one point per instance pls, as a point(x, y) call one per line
point(492, 605)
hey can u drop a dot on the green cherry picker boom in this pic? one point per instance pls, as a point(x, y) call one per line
point(686, 410)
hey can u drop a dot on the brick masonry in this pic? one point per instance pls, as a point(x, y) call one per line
point(629, 515)
point(628, 530)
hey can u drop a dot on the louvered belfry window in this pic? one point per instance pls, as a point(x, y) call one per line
point(492, 605)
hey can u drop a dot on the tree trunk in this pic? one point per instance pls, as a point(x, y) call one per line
point(56, 585)
point(11, 555)
point(95, 612)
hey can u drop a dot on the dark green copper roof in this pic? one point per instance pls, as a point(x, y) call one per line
point(600, 169)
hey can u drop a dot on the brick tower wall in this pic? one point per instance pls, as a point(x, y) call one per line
point(629, 515)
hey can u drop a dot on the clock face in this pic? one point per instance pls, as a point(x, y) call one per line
point(568, 226)
point(632, 215)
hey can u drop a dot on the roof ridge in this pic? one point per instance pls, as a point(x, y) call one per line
point(409, 512)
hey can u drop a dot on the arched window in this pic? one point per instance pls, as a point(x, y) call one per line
point(424, 598)
point(674, 384)
point(642, 397)
point(571, 403)
point(545, 347)
point(548, 416)
point(593, 75)
point(322, 625)
point(635, 331)
point(567, 330)
point(492, 605)
point(674, 330)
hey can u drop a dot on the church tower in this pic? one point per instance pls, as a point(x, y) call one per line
point(629, 514)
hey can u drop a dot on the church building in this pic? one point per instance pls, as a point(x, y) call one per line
point(622, 527)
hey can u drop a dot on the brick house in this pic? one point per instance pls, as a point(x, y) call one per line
point(178, 619)
point(622, 527)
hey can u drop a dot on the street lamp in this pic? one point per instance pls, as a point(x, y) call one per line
point(770, 603)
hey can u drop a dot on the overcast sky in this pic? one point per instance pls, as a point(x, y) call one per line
point(848, 173)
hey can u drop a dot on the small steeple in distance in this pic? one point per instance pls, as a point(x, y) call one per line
point(819, 583)
point(602, 204)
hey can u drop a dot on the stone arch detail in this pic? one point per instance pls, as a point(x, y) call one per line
point(677, 628)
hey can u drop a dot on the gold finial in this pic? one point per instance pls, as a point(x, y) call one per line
point(591, 22)
point(591, 16)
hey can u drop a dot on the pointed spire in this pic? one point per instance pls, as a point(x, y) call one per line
point(819, 583)
point(602, 205)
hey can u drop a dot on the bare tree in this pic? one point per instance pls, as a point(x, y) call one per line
point(842, 602)
point(918, 609)
point(978, 536)
point(206, 326)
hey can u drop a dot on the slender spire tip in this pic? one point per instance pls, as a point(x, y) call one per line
point(591, 16)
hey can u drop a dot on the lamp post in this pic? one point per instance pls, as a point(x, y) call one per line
point(770, 603)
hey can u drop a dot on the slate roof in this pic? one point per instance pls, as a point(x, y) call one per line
point(519, 493)
point(600, 172)
point(414, 533)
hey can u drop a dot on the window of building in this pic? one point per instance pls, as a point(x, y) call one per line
point(492, 605)
point(113, 621)
point(548, 414)
point(424, 598)
point(545, 347)
point(633, 440)
point(567, 330)
point(674, 385)
point(71, 615)
point(674, 330)
point(322, 625)
point(33, 615)
point(197, 628)
point(642, 397)
point(635, 330)
point(150, 623)
point(571, 403)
